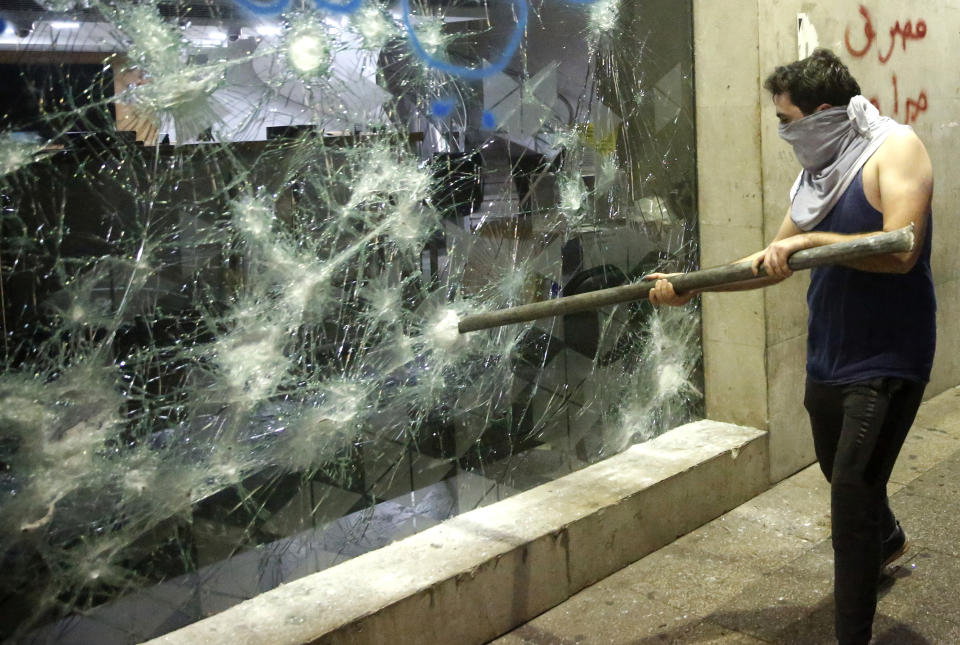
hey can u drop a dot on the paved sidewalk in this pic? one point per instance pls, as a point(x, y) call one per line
point(763, 572)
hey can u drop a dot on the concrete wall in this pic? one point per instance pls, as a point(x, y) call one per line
point(754, 342)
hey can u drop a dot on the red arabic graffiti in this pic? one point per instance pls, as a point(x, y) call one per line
point(913, 106)
point(905, 32)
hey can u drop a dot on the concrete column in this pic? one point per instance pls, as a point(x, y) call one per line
point(730, 205)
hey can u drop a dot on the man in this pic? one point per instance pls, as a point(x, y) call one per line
point(871, 327)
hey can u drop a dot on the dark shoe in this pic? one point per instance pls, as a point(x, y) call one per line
point(893, 547)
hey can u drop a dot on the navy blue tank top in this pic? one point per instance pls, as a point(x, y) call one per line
point(865, 325)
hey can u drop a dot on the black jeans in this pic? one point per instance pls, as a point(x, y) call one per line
point(858, 430)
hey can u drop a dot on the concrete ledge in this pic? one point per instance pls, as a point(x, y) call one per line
point(484, 572)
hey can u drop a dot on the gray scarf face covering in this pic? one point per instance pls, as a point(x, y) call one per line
point(832, 146)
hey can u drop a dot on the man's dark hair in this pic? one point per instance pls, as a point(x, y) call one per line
point(817, 79)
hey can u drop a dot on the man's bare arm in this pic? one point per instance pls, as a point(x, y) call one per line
point(905, 177)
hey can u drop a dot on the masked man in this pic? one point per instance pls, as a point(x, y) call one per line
point(871, 328)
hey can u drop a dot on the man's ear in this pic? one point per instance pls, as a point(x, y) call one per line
point(823, 106)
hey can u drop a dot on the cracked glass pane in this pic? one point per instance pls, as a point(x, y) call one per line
point(236, 240)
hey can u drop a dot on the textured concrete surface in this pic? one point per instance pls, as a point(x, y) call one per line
point(762, 573)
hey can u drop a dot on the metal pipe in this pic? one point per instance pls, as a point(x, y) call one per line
point(899, 241)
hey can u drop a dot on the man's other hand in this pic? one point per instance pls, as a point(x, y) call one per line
point(774, 258)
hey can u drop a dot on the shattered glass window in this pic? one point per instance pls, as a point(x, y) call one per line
point(236, 239)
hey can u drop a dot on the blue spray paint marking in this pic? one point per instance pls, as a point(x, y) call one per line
point(442, 108)
point(472, 73)
point(337, 7)
point(489, 121)
point(261, 9)
point(274, 8)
